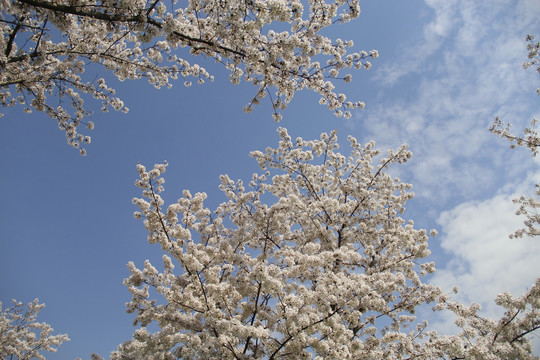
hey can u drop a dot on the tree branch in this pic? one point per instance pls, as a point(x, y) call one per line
point(139, 18)
point(11, 39)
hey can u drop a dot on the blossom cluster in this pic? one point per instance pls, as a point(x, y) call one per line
point(22, 336)
point(47, 45)
point(327, 270)
point(533, 47)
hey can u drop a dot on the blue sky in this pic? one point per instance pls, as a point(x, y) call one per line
point(446, 69)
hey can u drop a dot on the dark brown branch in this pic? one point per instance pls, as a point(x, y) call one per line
point(152, 7)
point(40, 35)
point(74, 10)
point(504, 325)
point(11, 39)
point(254, 315)
point(140, 18)
point(534, 328)
point(22, 25)
point(281, 345)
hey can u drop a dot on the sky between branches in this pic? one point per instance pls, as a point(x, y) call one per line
point(446, 69)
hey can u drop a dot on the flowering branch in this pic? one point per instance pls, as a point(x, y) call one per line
point(236, 33)
point(22, 336)
point(530, 139)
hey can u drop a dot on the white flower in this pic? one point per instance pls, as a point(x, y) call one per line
point(22, 336)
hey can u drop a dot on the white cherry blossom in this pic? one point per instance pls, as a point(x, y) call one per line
point(45, 46)
point(309, 260)
point(22, 336)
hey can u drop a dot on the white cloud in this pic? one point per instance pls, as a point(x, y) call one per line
point(413, 55)
point(462, 28)
point(476, 235)
point(483, 260)
point(469, 71)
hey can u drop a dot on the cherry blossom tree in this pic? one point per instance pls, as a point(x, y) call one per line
point(329, 270)
point(22, 336)
point(276, 45)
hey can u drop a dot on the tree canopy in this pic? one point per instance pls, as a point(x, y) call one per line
point(276, 45)
point(311, 260)
point(22, 336)
point(312, 257)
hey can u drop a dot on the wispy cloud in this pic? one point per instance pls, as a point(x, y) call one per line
point(462, 28)
point(433, 34)
point(467, 69)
